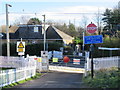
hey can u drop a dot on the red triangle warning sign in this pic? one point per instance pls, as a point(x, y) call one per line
point(20, 45)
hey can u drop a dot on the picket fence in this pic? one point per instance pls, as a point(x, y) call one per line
point(14, 75)
point(23, 68)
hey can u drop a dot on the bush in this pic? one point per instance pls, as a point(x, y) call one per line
point(68, 50)
point(13, 51)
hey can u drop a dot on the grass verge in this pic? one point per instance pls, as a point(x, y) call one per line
point(23, 81)
point(104, 78)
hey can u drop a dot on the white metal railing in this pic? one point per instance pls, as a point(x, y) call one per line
point(102, 63)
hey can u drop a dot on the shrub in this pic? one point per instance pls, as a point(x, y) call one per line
point(68, 50)
point(104, 79)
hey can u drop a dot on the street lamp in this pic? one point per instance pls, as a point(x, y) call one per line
point(44, 34)
point(7, 30)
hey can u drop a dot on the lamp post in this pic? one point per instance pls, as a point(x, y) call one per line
point(7, 30)
point(44, 34)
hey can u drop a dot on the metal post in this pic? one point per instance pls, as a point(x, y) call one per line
point(7, 31)
point(92, 64)
point(44, 34)
point(92, 69)
point(83, 41)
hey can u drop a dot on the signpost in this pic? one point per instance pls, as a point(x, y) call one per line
point(91, 28)
point(91, 51)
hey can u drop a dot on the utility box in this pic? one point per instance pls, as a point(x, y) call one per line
point(45, 60)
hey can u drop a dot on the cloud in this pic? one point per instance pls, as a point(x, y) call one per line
point(82, 9)
point(73, 13)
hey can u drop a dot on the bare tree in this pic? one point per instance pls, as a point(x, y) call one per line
point(22, 20)
point(84, 21)
point(98, 19)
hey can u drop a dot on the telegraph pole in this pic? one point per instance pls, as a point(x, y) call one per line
point(7, 31)
point(44, 34)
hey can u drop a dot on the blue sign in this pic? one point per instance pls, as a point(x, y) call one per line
point(93, 39)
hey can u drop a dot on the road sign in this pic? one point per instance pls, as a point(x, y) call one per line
point(20, 47)
point(91, 28)
point(93, 39)
point(66, 59)
point(76, 61)
point(55, 59)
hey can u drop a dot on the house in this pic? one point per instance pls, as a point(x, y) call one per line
point(34, 34)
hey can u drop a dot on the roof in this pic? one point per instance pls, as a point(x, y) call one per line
point(52, 34)
point(28, 32)
point(63, 35)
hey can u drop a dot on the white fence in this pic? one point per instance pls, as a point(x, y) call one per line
point(17, 62)
point(14, 75)
point(24, 68)
point(102, 63)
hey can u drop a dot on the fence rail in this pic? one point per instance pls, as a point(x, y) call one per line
point(102, 63)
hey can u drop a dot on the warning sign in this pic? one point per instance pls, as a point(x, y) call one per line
point(20, 49)
point(20, 45)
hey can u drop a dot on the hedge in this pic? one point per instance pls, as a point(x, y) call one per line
point(31, 49)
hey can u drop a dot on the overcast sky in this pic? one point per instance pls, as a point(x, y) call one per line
point(55, 10)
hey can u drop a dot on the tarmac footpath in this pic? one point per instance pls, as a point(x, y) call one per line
point(54, 80)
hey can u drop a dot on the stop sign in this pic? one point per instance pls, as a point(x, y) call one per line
point(66, 59)
point(91, 28)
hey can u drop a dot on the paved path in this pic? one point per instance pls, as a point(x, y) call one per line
point(55, 80)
